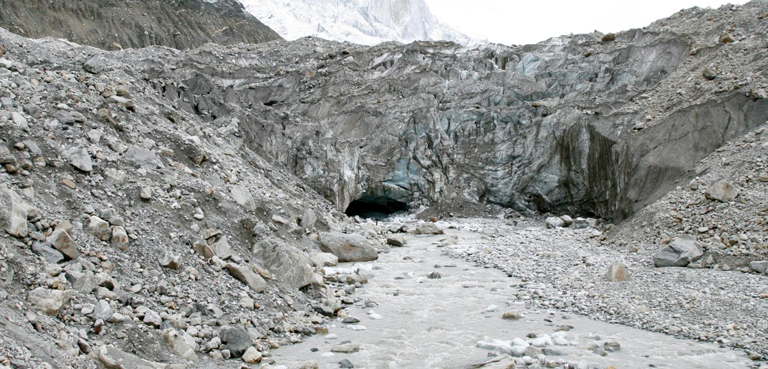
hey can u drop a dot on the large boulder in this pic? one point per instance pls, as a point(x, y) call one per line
point(722, 191)
point(428, 228)
point(247, 276)
point(678, 253)
point(49, 301)
point(236, 340)
point(348, 247)
point(112, 358)
point(284, 261)
point(618, 272)
point(80, 159)
point(62, 241)
point(13, 213)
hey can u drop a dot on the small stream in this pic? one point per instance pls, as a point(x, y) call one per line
point(436, 323)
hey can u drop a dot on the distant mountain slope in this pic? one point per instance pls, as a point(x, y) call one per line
point(366, 22)
point(115, 24)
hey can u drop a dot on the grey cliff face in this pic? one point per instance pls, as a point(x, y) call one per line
point(117, 24)
point(573, 124)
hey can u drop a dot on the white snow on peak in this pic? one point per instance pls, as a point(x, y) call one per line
point(366, 22)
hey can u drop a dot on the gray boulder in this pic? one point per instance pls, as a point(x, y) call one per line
point(554, 222)
point(618, 272)
point(722, 191)
point(759, 266)
point(62, 241)
point(80, 159)
point(284, 261)
point(48, 253)
point(678, 253)
point(428, 228)
point(95, 65)
point(247, 276)
point(13, 213)
point(348, 247)
point(236, 340)
point(396, 240)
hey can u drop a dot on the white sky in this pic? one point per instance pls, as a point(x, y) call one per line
point(527, 22)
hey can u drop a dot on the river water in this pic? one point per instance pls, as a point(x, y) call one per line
point(436, 323)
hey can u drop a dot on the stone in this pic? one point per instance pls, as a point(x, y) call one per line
point(221, 248)
point(567, 220)
point(20, 121)
point(759, 266)
point(115, 176)
point(47, 251)
point(145, 193)
point(113, 358)
point(348, 247)
point(428, 229)
point(170, 261)
point(102, 311)
point(722, 191)
point(346, 348)
point(554, 222)
point(434, 275)
point(248, 277)
point(618, 272)
point(396, 240)
point(609, 37)
point(324, 259)
point(119, 238)
point(286, 263)
point(308, 220)
point(100, 228)
point(511, 315)
point(95, 65)
point(180, 344)
point(678, 253)
point(235, 339)
point(709, 74)
point(242, 195)
point(201, 248)
point(79, 158)
point(13, 213)
point(252, 356)
point(49, 301)
point(152, 318)
point(62, 241)
point(345, 363)
point(611, 346)
point(763, 177)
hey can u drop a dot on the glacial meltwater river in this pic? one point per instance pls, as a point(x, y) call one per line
point(437, 323)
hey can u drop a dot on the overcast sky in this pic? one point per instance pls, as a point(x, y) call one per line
point(526, 22)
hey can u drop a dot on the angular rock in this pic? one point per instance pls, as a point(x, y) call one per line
point(221, 248)
point(348, 247)
point(252, 356)
point(308, 220)
point(722, 191)
point(554, 222)
point(113, 358)
point(79, 158)
point(100, 228)
point(235, 339)
point(47, 251)
point(61, 241)
point(102, 311)
point(511, 315)
point(13, 213)
point(95, 65)
point(618, 272)
point(49, 301)
point(284, 261)
point(201, 248)
point(242, 195)
point(347, 348)
point(248, 277)
point(678, 253)
point(180, 345)
point(170, 261)
point(119, 238)
point(759, 266)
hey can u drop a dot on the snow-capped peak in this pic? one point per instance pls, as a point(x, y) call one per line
point(366, 22)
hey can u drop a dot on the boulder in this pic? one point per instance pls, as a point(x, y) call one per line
point(201, 248)
point(252, 356)
point(62, 241)
point(247, 276)
point(348, 247)
point(324, 259)
point(722, 191)
point(678, 253)
point(170, 261)
point(119, 238)
point(284, 261)
point(308, 220)
point(554, 222)
point(180, 344)
point(428, 228)
point(221, 248)
point(236, 340)
point(49, 301)
point(13, 213)
point(618, 272)
point(396, 240)
point(759, 266)
point(242, 195)
point(79, 158)
point(112, 358)
point(100, 228)
point(95, 65)
point(47, 251)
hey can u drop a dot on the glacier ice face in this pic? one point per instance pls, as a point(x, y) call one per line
point(366, 22)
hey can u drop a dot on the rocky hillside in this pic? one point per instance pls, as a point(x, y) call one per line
point(117, 24)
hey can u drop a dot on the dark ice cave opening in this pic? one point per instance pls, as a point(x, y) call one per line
point(375, 208)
